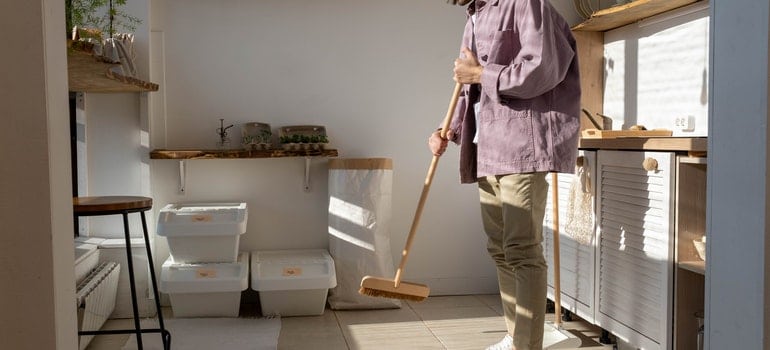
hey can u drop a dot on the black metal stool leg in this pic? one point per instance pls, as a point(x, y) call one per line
point(130, 262)
point(165, 335)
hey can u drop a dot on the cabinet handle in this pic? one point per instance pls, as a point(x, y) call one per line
point(580, 161)
point(650, 164)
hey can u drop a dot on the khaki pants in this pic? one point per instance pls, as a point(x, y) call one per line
point(512, 211)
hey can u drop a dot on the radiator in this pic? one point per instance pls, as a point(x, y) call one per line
point(96, 298)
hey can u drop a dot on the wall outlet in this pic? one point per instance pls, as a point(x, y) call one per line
point(684, 123)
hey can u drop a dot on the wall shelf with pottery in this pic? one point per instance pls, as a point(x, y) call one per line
point(182, 155)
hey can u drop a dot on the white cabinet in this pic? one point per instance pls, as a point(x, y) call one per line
point(639, 277)
point(634, 260)
point(577, 260)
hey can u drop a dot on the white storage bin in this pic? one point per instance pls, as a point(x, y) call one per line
point(114, 249)
point(205, 289)
point(292, 282)
point(86, 258)
point(203, 232)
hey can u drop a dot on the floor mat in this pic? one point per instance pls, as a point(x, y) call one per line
point(214, 333)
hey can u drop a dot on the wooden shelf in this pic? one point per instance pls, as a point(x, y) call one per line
point(688, 144)
point(698, 266)
point(238, 153)
point(87, 74)
point(618, 16)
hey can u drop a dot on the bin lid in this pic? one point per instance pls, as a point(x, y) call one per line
point(89, 240)
point(292, 270)
point(205, 277)
point(202, 219)
point(83, 251)
point(121, 243)
point(103, 242)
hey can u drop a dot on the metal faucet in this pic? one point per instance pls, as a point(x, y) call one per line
point(222, 132)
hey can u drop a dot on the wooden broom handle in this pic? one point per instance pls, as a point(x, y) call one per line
point(426, 186)
point(556, 252)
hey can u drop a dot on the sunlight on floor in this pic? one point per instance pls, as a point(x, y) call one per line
point(466, 322)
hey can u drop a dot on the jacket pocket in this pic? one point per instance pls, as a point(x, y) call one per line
point(504, 47)
point(506, 136)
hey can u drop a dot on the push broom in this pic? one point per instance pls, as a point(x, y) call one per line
point(395, 288)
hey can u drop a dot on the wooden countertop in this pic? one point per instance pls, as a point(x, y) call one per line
point(684, 144)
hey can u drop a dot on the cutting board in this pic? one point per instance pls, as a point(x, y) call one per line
point(613, 134)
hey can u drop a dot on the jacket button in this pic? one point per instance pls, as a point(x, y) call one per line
point(484, 58)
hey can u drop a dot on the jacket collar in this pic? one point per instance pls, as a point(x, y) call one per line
point(479, 5)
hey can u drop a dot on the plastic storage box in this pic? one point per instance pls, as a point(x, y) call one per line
point(292, 282)
point(203, 232)
point(86, 259)
point(114, 249)
point(206, 289)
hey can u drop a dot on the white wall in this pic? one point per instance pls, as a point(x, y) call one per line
point(737, 277)
point(656, 70)
point(36, 249)
point(376, 74)
point(116, 159)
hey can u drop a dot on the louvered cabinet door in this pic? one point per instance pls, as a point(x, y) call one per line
point(635, 246)
point(576, 259)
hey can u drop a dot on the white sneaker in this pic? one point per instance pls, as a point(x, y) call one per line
point(505, 344)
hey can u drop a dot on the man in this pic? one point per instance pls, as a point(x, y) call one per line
point(517, 119)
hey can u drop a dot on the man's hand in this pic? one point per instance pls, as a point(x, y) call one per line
point(436, 144)
point(468, 70)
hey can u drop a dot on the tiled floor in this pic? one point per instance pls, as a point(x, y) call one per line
point(443, 322)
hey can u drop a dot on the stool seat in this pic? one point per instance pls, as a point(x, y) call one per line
point(103, 205)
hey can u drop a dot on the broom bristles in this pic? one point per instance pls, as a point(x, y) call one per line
point(391, 295)
point(386, 288)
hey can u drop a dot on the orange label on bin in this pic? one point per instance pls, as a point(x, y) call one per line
point(201, 218)
point(292, 271)
point(205, 273)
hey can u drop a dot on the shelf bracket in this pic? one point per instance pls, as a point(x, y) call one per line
point(306, 186)
point(182, 175)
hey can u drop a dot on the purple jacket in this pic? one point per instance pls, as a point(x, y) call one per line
point(529, 115)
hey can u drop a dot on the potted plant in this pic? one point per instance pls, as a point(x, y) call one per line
point(322, 141)
point(290, 142)
point(106, 16)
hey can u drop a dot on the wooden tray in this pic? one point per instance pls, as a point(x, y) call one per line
point(613, 134)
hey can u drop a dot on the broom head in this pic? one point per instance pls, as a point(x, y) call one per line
point(386, 288)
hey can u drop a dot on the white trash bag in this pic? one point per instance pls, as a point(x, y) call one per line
point(360, 193)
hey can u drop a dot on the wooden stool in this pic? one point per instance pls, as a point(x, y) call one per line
point(123, 205)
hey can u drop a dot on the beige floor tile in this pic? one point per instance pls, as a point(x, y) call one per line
point(311, 332)
point(444, 322)
point(446, 302)
point(468, 332)
point(429, 315)
point(386, 329)
point(390, 335)
point(404, 314)
point(493, 301)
